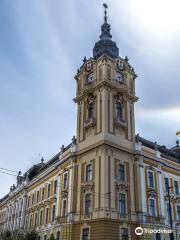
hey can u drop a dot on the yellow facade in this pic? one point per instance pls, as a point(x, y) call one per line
point(108, 181)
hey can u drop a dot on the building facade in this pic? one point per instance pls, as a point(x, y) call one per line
point(108, 181)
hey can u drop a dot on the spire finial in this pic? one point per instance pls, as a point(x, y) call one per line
point(105, 12)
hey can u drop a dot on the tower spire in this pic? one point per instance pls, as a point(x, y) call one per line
point(105, 45)
point(105, 12)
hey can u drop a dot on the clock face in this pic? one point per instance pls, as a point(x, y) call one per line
point(119, 77)
point(90, 78)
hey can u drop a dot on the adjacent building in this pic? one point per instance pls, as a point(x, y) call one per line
point(108, 181)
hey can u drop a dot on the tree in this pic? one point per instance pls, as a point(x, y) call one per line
point(52, 237)
point(31, 235)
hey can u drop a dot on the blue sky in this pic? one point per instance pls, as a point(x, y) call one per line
point(43, 43)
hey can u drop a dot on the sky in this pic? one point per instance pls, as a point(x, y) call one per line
point(42, 44)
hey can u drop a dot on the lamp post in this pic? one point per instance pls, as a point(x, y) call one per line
point(171, 235)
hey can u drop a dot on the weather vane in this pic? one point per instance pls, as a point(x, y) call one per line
point(105, 12)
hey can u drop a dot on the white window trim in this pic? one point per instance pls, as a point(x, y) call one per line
point(151, 198)
point(165, 182)
point(126, 205)
point(66, 172)
point(153, 179)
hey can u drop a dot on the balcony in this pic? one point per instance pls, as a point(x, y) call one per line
point(119, 122)
point(89, 123)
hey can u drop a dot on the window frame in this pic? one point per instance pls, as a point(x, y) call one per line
point(64, 213)
point(178, 216)
point(65, 184)
point(53, 216)
point(119, 106)
point(49, 190)
point(149, 207)
point(88, 179)
point(122, 214)
point(47, 216)
point(153, 179)
point(82, 229)
point(124, 172)
point(176, 187)
point(55, 186)
point(87, 214)
point(165, 184)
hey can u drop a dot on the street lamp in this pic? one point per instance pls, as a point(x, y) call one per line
point(171, 235)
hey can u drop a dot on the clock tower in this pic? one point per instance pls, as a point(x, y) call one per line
point(105, 95)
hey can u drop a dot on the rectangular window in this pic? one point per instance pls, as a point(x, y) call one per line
point(122, 204)
point(53, 213)
point(119, 111)
point(88, 172)
point(30, 225)
point(150, 179)
point(55, 186)
point(49, 190)
point(41, 217)
point(43, 193)
point(88, 204)
point(47, 215)
point(152, 207)
point(64, 208)
point(33, 199)
point(37, 197)
point(45, 237)
point(90, 111)
point(178, 212)
point(35, 219)
point(65, 181)
point(29, 200)
point(121, 172)
point(124, 233)
point(168, 212)
point(176, 187)
point(85, 234)
point(166, 182)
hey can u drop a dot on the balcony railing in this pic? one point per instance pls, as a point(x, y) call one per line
point(89, 122)
point(120, 122)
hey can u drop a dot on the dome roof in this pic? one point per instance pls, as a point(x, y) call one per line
point(105, 45)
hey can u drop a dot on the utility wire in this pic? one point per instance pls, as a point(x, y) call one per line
point(8, 173)
point(8, 170)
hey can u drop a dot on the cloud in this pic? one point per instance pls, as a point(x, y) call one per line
point(43, 43)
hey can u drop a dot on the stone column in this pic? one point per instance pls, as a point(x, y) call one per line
point(23, 211)
point(58, 197)
point(161, 194)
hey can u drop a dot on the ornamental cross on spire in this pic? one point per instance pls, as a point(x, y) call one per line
point(105, 12)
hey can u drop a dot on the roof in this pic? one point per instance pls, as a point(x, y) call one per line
point(165, 152)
